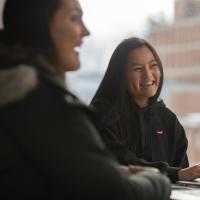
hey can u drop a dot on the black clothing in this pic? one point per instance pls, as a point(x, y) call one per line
point(49, 145)
point(162, 137)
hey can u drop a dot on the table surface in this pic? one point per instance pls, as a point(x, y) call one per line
point(185, 192)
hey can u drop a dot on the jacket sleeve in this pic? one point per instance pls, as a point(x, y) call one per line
point(62, 142)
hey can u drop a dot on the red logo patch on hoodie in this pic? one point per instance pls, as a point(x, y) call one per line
point(159, 131)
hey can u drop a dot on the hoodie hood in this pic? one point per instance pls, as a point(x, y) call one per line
point(157, 104)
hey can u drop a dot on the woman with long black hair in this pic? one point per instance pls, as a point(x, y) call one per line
point(135, 124)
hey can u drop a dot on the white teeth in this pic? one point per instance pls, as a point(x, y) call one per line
point(77, 49)
point(148, 83)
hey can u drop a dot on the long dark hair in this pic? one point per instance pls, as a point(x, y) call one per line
point(113, 89)
point(26, 24)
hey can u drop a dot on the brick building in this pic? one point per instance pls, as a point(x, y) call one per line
point(178, 45)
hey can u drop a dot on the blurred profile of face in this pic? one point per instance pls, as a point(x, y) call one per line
point(143, 75)
point(67, 30)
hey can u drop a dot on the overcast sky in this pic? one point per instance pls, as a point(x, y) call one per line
point(105, 17)
point(110, 21)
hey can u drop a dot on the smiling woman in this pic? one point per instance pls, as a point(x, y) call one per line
point(67, 30)
point(134, 123)
point(143, 75)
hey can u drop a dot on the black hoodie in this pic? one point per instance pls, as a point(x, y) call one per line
point(163, 143)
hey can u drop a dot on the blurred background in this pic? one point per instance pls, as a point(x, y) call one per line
point(172, 27)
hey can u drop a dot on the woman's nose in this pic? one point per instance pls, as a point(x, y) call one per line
point(85, 30)
point(147, 72)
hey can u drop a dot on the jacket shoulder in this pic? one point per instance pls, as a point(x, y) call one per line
point(16, 83)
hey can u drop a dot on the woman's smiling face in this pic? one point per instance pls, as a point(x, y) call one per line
point(67, 31)
point(143, 75)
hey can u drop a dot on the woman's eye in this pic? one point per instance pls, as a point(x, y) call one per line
point(137, 69)
point(155, 65)
point(75, 17)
